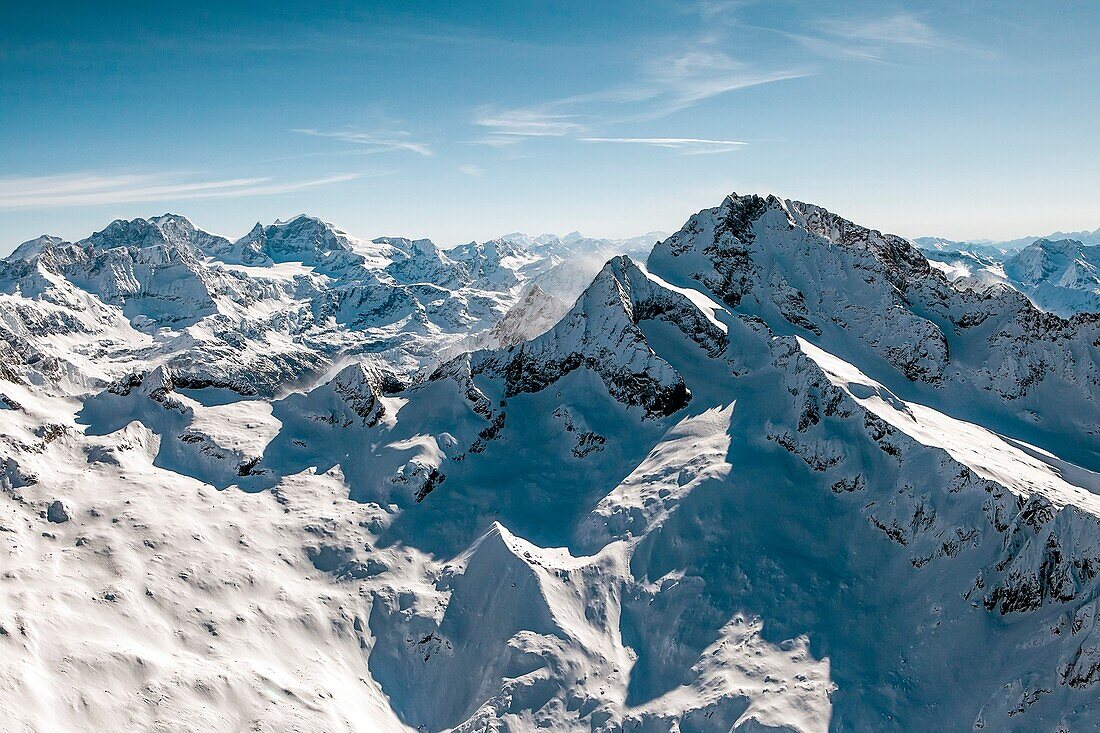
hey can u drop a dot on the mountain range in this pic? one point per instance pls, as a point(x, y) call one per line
point(774, 472)
point(1059, 276)
point(1088, 238)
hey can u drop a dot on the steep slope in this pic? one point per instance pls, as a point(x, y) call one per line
point(601, 335)
point(937, 516)
point(536, 313)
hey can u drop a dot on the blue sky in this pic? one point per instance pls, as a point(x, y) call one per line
point(465, 120)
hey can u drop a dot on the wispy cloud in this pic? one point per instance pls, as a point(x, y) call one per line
point(898, 29)
point(474, 171)
point(374, 142)
point(84, 189)
point(710, 9)
point(508, 126)
point(686, 145)
point(671, 83)
point(876, 38)
point(677, 81)
point(664, 85)
point(832, 49)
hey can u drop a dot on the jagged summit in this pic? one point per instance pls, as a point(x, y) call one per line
point(304, 239)
point(1062, 262)
point(167, 230)
point(535, 313)
point(353, 396)
point(875, 299)
point(600, 334)
point(281, 302)
point(421, 261)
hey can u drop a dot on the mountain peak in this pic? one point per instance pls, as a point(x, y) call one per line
point(34, 247)
point(1061, 245)
point(173, 232)
point(1061, 276)
point(354, 396)
point(304, 238)
point(601, 334)
point(170, 219)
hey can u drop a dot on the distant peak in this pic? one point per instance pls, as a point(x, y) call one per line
point(300, 239)
point(301, 220)
point(170, 218)
point(1059, 244)
point(418, 245)
point(166, 230)
point(33, 247)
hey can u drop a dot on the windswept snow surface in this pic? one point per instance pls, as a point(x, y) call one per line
point(989, 455)
point(785, 475)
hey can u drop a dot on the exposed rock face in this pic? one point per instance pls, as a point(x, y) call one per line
point(56, 513)
point(864, 291)
point(353, 396)
point(601, 334)
point(817, 271)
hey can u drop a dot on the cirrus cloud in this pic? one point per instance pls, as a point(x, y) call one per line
point(374, 142)
point(686, 145)
point(509, 126)
point(92, 189)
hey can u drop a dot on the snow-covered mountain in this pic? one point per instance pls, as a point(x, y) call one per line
point(1086, 237)
point(985, 248)
point(970, 266)
point(994, 247)
point(1061, 277)
point(264, 312)
point(780, 474)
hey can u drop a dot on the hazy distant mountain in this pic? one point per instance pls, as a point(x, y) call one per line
point(1085, 237)
point(1058, 276)
point(982, 247)
point(989, 246)
point(1062, 276)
